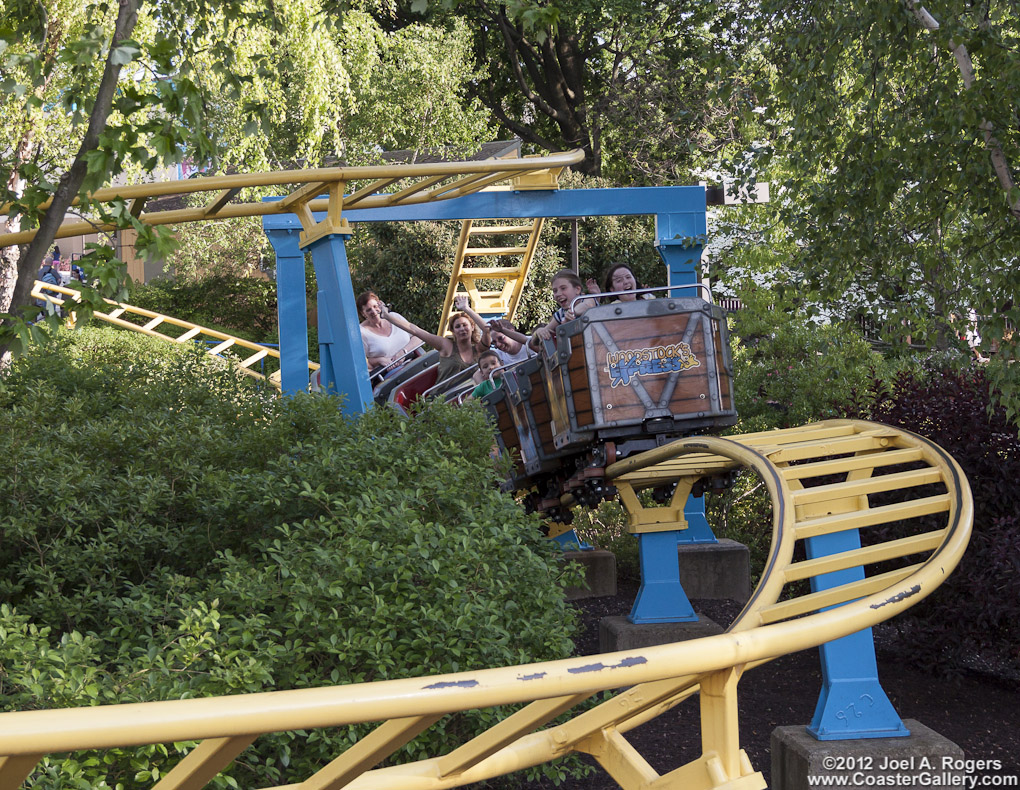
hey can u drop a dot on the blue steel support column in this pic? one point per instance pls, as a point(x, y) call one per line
point(661, 598)
point(341, 353)
point(291, 308)
point(679, 240)
point(852, 703)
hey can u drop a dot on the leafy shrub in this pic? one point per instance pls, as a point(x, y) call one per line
point(787, 372)
point(169, 530)
point(242, 306)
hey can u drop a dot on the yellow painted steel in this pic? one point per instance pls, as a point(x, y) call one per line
point(513, 272)
point(425, 183)
point(934, 519)
point(245, 363)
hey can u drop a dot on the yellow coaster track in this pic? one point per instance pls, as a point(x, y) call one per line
point(243, 354)
point(504, 262)
point(821, 479)
point(406, 185)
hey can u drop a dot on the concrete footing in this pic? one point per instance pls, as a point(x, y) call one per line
point(599, 573)
point(716, 571)
point(618, 633)
point(923, 759)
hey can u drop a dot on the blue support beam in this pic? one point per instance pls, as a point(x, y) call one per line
point(344, 369)
point(852, 703)
point(291, 307)
point(679, 237)
point(661, 598)
point(675, 201)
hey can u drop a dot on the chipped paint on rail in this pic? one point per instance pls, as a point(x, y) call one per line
point(633, 661)
point(899, 597)
point(453, 684)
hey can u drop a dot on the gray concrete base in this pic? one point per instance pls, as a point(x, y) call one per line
point(599, 573)
point(716, 570)
point(868, 762)
point(618, 633)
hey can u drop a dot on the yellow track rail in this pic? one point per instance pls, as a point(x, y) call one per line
point(370, 187)
point(820, 477)
point(243, 354)
point(508, 259)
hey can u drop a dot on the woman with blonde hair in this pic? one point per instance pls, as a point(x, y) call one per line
point(461, 349)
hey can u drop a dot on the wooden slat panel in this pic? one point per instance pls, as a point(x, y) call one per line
point(369, 751)
point(833, 596)
point(885, 514)
point(474, 252)
point(14, 769)
point(843, 465)
point(371, 189)
point(872, 485)
point(499, 230)
point(892, 549)
point(221, 346)
point(507, 731)
point(213, 207)
point(802, 451)
point(258, 355)
point(203, 763)
point(493, 272)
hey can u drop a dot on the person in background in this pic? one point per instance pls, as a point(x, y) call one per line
point(566, 287)
point(385, 343)
point(511, 345)
point(488, 361)
point(620, 277)
point(456, 353)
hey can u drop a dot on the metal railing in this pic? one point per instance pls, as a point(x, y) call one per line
point(243, 354)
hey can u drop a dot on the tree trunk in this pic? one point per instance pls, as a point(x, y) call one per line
point(71, 182)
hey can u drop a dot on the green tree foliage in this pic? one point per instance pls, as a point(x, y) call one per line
point(633, 84)
point(897, 159)
point(242, 306)
point(236, 84)
point(172, 531)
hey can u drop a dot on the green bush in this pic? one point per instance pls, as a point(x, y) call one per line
point(241, 306)
point(170, 530)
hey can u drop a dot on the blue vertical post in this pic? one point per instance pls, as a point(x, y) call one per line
point(661, 598)
point(341, 352)
point(852, 703)
point(291, 308)
point(679, 238)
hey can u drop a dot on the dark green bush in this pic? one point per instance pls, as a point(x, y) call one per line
point(241, 306)
point(976, 612)
point(169, 530)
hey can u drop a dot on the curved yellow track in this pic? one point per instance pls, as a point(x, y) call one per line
point(821, 478)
